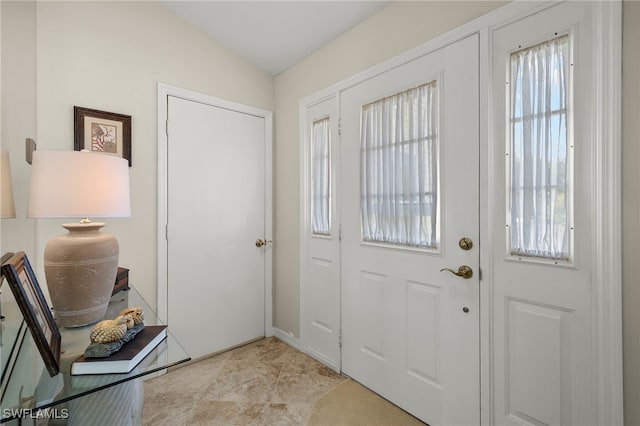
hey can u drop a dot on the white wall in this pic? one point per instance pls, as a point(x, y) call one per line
point(109, 56)
point(18, 116)
point(397, 28)
point(18, 122)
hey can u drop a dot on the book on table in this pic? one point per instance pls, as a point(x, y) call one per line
point(126, 358)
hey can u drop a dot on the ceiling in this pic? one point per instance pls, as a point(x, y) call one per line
point(274, 35)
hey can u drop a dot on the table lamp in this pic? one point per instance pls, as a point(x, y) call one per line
point(81, 266)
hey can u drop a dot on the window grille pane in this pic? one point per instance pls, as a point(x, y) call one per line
point(320, 177)
point(399, 169)
point(539, 159)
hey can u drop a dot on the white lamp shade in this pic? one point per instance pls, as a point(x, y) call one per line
point(7, 206)
point(78, 184)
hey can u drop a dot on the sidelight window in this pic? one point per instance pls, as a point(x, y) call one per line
point(399, 168)
point(320, 177)
point(539, 151)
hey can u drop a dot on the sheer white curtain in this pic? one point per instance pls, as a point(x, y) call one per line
point(320, 177)
point(399, 168)
point(539, 164)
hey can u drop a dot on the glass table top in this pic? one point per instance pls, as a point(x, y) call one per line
point(30, 386)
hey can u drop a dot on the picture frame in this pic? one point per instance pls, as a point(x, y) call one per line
point(35, 310)
point(101, 131)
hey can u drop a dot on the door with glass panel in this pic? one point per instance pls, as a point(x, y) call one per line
point(542, 253)
point(410, 234)
point(320, 287)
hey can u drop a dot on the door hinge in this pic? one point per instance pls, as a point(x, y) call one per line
point(339, 126)
point(340, 338)
point(166, 127)
point(340, 232)
point(166, 232)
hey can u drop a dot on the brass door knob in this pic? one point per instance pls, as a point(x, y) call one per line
point(464, 271)
point(260, 242)
point(465, 243)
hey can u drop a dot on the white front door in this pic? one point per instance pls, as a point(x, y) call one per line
point(215, 213)
point(411, 330)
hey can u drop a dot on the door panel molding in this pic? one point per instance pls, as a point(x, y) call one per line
point(164, 91)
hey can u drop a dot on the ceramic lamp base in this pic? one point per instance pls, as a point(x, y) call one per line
point(80, 269)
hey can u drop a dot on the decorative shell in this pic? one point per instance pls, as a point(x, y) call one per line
point(136, 313)
point(109, 330)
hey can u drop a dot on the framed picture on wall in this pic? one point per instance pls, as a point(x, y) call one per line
point(35, 310)
point(103, 132)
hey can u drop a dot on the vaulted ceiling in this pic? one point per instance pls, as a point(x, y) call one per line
point(274, 35)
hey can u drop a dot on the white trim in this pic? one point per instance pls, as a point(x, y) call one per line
point(607, 309)
point(268, 224)
point(162, 287)
point(607, 205)
point(288, 338)
point(305, 223)
point(487, 171)
point(509, 12)
point(165, 90)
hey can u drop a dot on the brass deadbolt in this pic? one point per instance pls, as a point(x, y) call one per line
point(465, 243)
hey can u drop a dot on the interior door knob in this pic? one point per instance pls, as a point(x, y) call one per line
point(464, 271)
point(260, 242)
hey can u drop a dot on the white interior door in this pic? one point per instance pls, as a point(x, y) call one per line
point(215, 213)
point(543, 250)
point(410, 330)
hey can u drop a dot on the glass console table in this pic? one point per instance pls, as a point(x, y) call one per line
point(88, 399)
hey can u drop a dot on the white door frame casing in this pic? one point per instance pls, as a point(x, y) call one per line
point(165, 90)
point(606, 202)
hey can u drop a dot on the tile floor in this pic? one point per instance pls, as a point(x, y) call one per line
point(263, 383)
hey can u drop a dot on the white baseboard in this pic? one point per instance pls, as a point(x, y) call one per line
point(293, 341)
point(331, 363)
point(288, 338)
